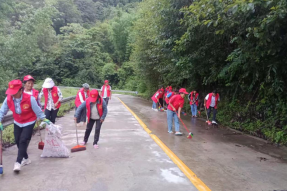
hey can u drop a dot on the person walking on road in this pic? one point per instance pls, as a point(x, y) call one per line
point(25, 113)
point(106, 92)
point(210, 102)
point(96, 113)
point(28, 88)
point(53, 97)
point(155, 98)
point(193, 98)
point(174, 109)
point(170, 95)
point(81, 96)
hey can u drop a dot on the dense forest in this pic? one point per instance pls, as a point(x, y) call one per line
point(238, 47)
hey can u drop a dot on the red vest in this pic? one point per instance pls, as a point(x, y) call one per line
point(167, 99)
point(55, 96)
point(208, 102)
point(27, 113)
point(78, 101)
point(108, 90)
point(160, 95)
point(99, 106)
point(191, 98)
point(35, 94)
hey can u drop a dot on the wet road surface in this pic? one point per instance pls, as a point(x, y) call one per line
point(222, 158)
point(128, 160)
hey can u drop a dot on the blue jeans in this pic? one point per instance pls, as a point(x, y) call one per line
point(153, 105)
point(193, 109)
point(170, 115)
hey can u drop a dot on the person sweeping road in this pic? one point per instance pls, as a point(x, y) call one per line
point(25, 113)
point(210, 102)
point(193, 98)
point(155, 98)
point(96, 113)
point(174, 109)
point(53, 97)
point(82, 95)
point(106, 92)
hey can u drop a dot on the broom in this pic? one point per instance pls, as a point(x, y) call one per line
point(1, 165)
point(41, 143)
point(160, 108)
point(78, 147)
point(208, 122)
point(190, 134)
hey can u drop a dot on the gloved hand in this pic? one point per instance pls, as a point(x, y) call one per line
point(1, 127)
point(47, 121)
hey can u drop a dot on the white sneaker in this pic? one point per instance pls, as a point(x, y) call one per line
point(170, 132)
point(155, 109)
point(25, 162)
point(17, 167)
point(214, 122)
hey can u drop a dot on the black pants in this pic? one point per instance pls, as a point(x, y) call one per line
point(160, 100)
point(97, 130)
point(107, 100)
point(82, 117)
point(22, 138)
point(214, 113)
point(51, 115)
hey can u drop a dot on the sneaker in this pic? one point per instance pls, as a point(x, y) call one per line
point(17, 167)
point(83, 143)
point(78, 124)
point(207, 121)
point(195, 116)
point(214, 122)
point(96, 146)
point(170, 132)
point(178, 133)
point(155, 109)
point(25, 162)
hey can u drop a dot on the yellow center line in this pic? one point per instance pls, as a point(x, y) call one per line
point(188, 173)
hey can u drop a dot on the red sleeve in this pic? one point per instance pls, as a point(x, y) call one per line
point(172, 99)
point(181, 105)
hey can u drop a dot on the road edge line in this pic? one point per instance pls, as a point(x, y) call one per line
point(137, 118)
point(187, 171)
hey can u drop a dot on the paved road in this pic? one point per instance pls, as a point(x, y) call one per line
point(223, 159)
point(128, 160)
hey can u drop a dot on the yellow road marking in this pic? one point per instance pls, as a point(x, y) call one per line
point(188, 173)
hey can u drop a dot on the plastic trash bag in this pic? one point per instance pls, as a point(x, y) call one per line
point(54, 147)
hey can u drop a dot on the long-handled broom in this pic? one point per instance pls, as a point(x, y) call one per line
point(1, 164)
point(190, 134)
point(78, 147)
point(41, 143)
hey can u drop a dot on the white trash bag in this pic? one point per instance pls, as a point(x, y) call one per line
point(54, 147)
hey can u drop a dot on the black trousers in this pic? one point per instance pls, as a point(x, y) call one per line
point(107, 100)
point(22, 138)
point(160, 100)
point(214, 113)
point(97, 130)
point(51, 115)
point(82, 117)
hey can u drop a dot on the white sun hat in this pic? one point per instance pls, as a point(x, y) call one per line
point(49, 83)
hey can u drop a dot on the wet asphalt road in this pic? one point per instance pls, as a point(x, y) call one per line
point(128, 160)
point(222, 158)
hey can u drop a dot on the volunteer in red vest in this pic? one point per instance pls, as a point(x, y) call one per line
point(25, 113)
point(96, 113)
point(82, 95)
point(193, 101)
point(53, 97)
point(174, 109)
point(210, 102)
point(170, 95)
point(106, 92)
point(28, 88)
point(155, 99)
